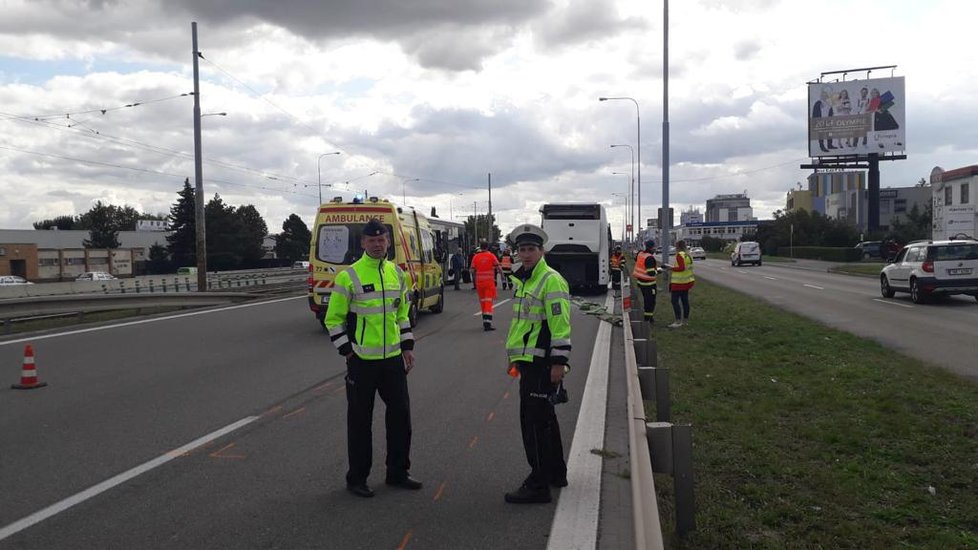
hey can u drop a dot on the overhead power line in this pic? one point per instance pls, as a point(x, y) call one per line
point(69, 113)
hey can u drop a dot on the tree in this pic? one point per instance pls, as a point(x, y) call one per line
point(103, 229)
point(252, 235)
point(293, 242)
point(159, 260)
point(182, 240)
point(482, 223)
point(917, 227)
point(64, 223)
point(224, 250)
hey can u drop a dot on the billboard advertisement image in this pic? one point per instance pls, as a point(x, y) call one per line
point(856, 117)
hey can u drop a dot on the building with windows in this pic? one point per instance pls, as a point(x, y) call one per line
point(798, 199)
point(842, 195)
point(954, 209)
point(729, 208)
point(693, 233)
point(692, 215)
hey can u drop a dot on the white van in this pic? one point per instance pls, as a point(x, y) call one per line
point(747, 252)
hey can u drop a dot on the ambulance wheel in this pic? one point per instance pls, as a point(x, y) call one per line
point(440, 306)
point(413, 313)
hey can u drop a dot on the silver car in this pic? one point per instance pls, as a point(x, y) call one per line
point(13, 280)
point(747, 252)
point(697, 253)
point(932, 268)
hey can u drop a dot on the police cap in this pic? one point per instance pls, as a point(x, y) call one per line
point(374, 228)
point(528, 233)
point(650, 244)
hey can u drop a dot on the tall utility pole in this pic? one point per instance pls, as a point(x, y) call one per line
point(664, 216)
point(489, 219)
point(475, 223)
point(199, 221)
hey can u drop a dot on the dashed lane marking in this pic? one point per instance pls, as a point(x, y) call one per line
point(814, 286)
point(892, 303)
point(295, 412)
point(494, 306)
point(404, 541)
point(473, 442)
point(441, 489)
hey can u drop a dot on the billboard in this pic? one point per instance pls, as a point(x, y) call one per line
point(856, 117)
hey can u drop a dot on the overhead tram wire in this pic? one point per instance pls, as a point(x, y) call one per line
point(69, 113)
point(142, 170)
point(92, 133)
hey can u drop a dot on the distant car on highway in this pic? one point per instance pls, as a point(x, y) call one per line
point(13, 280)
point(95, 276)
point(697, 253)
point(870, 249)
point(932, 268)
point(300, 265)
point(747, 252)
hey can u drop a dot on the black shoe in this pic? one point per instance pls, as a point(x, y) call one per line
point(360, 490)
point(487, 328)
point(559, 482)
point(406, 482)
point(525, 495)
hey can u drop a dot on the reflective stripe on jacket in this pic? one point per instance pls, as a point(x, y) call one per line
point(368, 310)
point(685, 275)
point(484, 263)
point(541, 317)
point(616, 261)
point(639, 272)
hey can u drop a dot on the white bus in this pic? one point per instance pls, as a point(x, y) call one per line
point(579, 243)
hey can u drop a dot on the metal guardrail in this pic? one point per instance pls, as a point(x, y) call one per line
point(645, 508)
point(57, 305)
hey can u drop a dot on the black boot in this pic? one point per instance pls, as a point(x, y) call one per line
point(526, 495)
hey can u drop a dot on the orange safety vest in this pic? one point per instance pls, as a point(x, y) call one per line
point(506, 263)
point(484, 264)
point(616, 261)
point(639, 273)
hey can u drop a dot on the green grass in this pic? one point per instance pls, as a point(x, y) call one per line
point(864, 269)
point(808, 437)
point(726, 257)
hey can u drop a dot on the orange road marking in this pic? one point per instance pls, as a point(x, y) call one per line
point(295, 412)
point(322, 389)
point(404, 541)
point(506, 395)
point(217, 453)
point(441, 489)
point(340, 389)
point(491, 416)
point(273, 410)
point(472, 443)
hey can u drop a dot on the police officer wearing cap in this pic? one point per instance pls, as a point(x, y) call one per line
point(367, 320)
point(644, 273)
point(538, 346)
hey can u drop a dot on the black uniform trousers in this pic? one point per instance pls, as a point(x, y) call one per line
point(616, 279)
point(648, 300)
point(538, 422)
point(364, 378)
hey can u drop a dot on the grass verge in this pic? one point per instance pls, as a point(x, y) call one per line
point(808, 437)
point(868, 269)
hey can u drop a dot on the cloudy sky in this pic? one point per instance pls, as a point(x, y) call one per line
point(424, 98)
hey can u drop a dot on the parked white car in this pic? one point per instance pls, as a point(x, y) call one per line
point(13, 280)
point(931, 268)
point(95, 276)
point(697, 253)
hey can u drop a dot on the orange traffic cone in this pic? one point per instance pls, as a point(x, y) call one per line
point(627, 303)
point(28, 375)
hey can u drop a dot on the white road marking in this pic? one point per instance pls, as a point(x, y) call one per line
point(494, 306)
point(771, 278)
point(892, 303)
point(78, 498)
point(142, 321)
point(741, 271)
point(815, 287)
point(575, 522)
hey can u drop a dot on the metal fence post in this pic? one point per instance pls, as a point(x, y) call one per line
point(663, 401)
point(659, 436)
point(682, 449)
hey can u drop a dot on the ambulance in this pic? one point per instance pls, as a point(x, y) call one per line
point(335, 245)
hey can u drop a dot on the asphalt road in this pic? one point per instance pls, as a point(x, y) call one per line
point(944, 332)
point(131, 395)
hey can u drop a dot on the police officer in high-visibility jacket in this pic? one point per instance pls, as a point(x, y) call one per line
point(539, 346)
point(367, 320)
point(506, 264)
point(644, 274)
point(485, 267)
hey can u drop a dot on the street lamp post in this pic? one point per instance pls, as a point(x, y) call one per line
point(403, 192)
point(629, 201)
point(632, 190)
point(638, 124)
point(624, 221)
point(319, 172)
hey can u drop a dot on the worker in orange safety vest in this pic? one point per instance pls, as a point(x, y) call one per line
point(485, 266)
point(617, 261)
point(506, 264)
